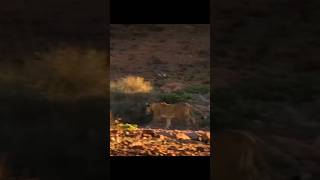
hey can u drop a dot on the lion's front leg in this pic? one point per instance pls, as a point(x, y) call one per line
point(188, 122)
point(193, 121)
point(168, 123)
point(154, 122)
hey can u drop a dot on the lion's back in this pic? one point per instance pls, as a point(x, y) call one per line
point(182, 111)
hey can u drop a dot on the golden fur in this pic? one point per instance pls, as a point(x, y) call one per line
point(167, 113)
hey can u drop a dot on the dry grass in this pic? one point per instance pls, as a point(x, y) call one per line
point(131, 85)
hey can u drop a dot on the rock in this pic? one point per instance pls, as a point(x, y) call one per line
point(161, 137)
point(172, 87)
point(182, 136)
point(171, 154)
point(205, 137)
point(162, 75)
point(193, 136)
point(149, 132)
point(146, 135)
point(200, 149)
point(163, 133)
point(158, 142)
point(172, 148)
point(113, 131)
point(137, 145)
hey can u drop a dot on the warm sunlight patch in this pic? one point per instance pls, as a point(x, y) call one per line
point(131, 84)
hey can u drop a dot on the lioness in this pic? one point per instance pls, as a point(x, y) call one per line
point(181, 112)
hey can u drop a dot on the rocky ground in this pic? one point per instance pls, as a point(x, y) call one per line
point(44, 142)
point(159, 142)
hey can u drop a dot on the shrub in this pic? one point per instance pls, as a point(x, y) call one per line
point(130, 85)
point(198, 89)
point(175, 97)
point(130, 107)
point(128, 97)
point(129, 127)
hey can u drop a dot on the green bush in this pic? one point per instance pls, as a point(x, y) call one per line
point(198, 89)
point(175, 97)
point(129, 127)
point(185, 94)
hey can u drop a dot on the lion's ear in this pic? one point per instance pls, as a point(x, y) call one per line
point(147, 104)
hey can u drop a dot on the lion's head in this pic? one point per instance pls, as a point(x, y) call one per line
point(148, 109)
point(151, 108)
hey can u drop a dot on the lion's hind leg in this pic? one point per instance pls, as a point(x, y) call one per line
point(193, 121)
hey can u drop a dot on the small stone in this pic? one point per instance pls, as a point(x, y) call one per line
point(146, 135)
point(182, 136)
point(148, 132)
point(200, 148)
point(172, 87)
point(137, 145)
point(193, 135)
point(161, 137)
point(205, 137)
point(172, 148)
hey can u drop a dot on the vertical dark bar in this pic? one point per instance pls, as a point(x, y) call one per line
point(107, 148)
point(53, 101)
point(266, 95)
point(212, 25)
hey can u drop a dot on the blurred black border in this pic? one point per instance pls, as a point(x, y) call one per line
point(161, 12)
point(32, 151)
